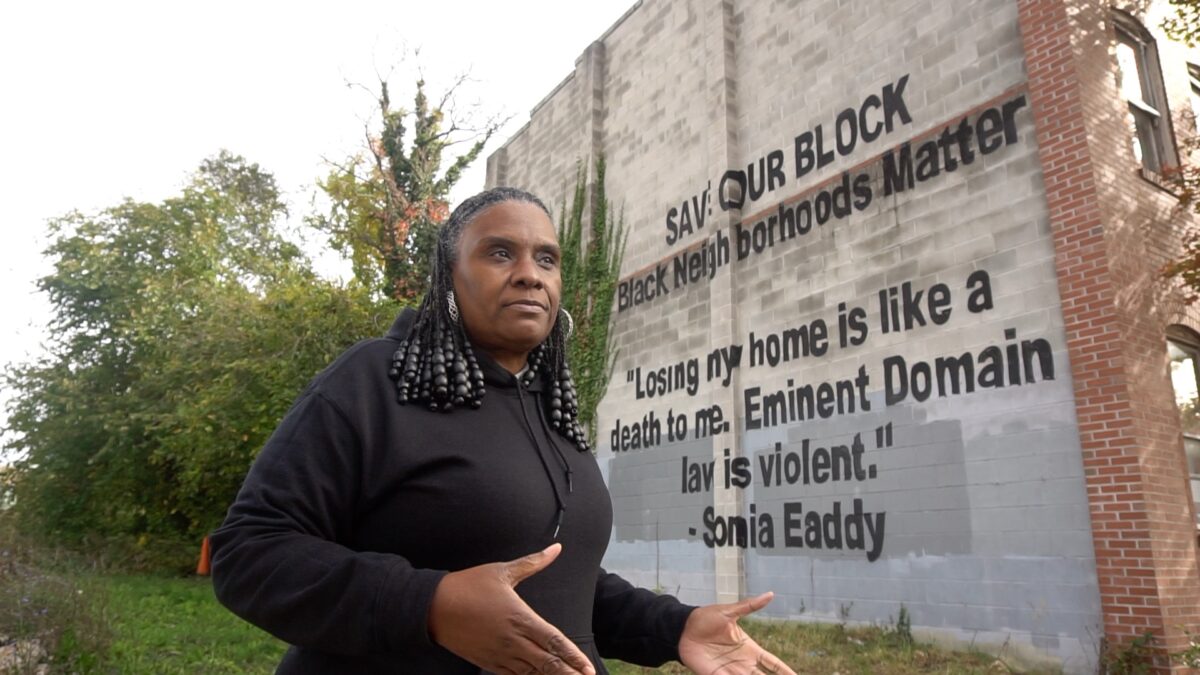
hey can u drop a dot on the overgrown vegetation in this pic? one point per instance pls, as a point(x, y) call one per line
point(93, 619)
point(1142, 655)
point(153, 624)
point(63, 611)
point(50, 613)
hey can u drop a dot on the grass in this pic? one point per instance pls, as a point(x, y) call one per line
point(90, 620)
point(830, 648)
point(171, 625)
point(153, 624)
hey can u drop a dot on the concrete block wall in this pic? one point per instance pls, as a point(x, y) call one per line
point(995, 514)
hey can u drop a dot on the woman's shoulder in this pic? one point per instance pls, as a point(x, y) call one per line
point(361, 370)
point(368, 358)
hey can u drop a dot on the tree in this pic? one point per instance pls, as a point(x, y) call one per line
point(386, 205)
point(233, 373)
point(123, 282)
point(1183, 25)
point(591, 267)
point(183, 330)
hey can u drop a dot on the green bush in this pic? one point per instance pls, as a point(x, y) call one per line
point(183, 331)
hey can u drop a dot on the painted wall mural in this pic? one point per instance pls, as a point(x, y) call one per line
point(841, 368)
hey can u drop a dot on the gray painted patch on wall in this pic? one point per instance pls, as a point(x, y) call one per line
point(648, 503)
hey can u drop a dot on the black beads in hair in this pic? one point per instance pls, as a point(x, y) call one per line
point(549, 362)
point(435, 366)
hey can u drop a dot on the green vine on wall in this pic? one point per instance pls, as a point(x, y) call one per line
point(591, 266)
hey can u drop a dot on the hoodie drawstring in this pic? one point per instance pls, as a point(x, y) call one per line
point(558, 498)
point(561, 458)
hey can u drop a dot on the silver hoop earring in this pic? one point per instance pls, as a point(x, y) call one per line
point(570, 327)
point(451, 306)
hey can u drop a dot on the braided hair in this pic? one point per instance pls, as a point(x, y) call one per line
point(435, 365)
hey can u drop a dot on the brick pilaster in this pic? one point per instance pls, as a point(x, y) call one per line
point(1146, 559)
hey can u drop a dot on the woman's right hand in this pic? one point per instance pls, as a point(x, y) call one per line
point(476, 614)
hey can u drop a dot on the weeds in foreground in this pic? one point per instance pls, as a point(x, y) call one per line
point(1133, 658)
point(1190, 656)
point(830, 648)
point(89, 620)
point(902, 629)
point(50, 614)
point(137, 624)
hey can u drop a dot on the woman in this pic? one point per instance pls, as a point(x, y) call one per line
point(388, 524)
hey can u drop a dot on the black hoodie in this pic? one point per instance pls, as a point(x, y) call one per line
point(357, 506)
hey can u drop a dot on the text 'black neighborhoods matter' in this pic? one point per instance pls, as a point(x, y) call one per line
point(812, 493)
point(957, 145)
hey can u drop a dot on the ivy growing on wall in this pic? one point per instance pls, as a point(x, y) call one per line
point(591, 266)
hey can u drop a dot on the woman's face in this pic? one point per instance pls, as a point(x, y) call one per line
point(506, 280)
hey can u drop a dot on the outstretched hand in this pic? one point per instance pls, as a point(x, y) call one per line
point(476, 614)
point(714, 643)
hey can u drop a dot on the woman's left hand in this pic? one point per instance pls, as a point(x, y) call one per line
point(713, 642)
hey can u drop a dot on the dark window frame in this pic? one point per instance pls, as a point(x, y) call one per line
point(1188, 342)
point(1153, 130)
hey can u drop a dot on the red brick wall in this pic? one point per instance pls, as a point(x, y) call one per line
point(1113, 231)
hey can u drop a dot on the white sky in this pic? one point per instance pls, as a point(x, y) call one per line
point(105, 100)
